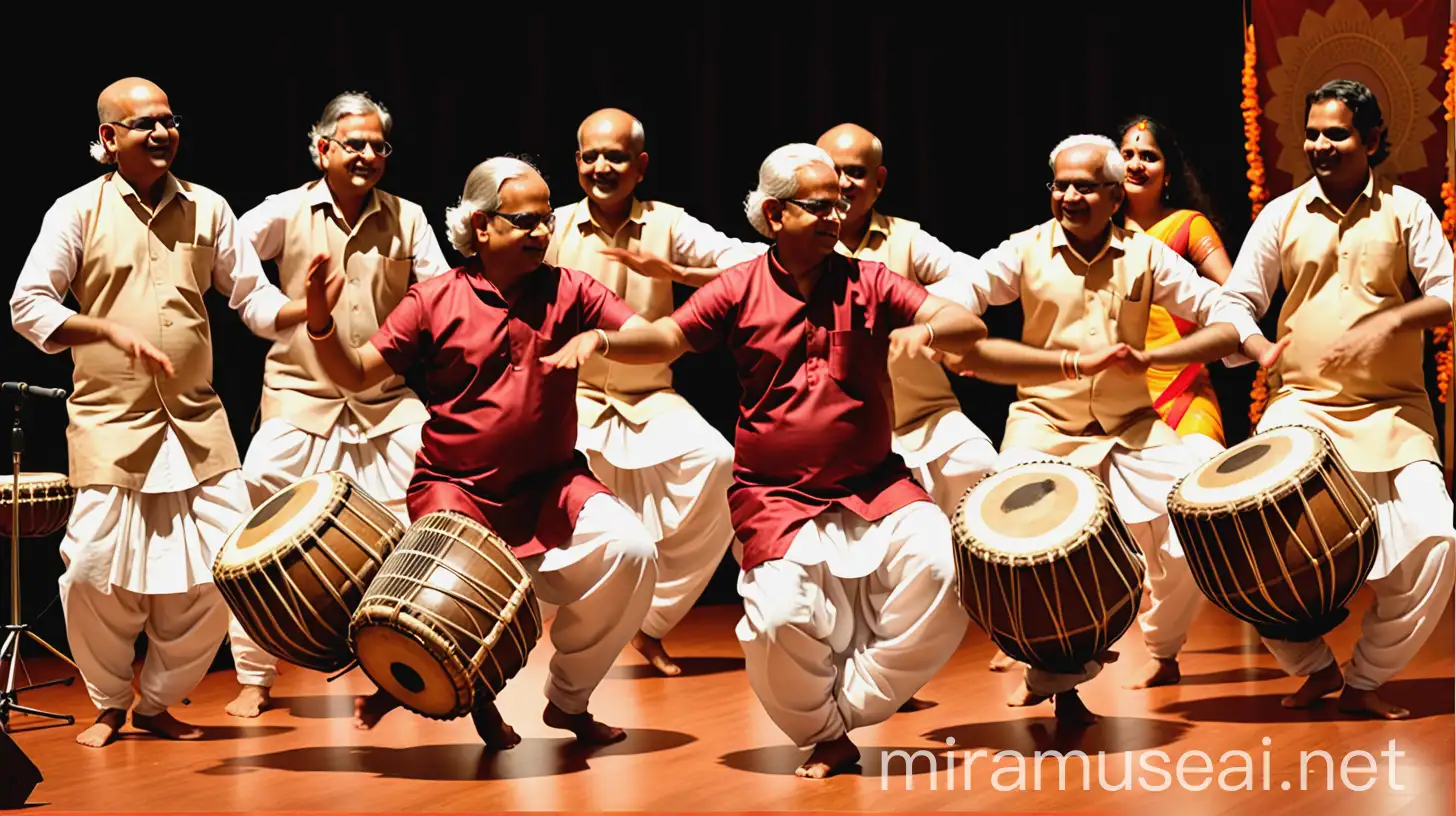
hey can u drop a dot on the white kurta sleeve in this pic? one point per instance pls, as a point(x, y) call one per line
point(37, 305)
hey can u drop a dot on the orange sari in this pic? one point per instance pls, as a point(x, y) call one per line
point(1183, 395)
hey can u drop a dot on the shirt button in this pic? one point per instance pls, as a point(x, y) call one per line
point(166, 321)
point(356, 307)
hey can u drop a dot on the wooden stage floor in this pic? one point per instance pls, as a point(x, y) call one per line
point(701, 742)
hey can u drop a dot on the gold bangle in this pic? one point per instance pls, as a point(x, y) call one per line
point(606, 342)
point(1066, 369)
point(1077, 364)
point(931, 329)
point(327, 332)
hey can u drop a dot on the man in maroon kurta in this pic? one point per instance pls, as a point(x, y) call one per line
point(499, 445)
point(848, 575)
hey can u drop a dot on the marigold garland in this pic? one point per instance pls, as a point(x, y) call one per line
point(1442, 336)
point(1258, 192)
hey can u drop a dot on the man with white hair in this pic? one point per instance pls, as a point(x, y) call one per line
point(498, 445)
point(151, 454)
point(375, 245)
point(848, 574)
point(643, 440)
point(1086, 286)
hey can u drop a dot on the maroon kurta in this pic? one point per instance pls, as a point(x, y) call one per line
point(500, 442)
point(813, 427)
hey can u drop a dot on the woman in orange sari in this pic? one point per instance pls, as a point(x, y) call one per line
point(1165, 200)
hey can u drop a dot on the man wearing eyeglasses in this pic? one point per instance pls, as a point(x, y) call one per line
point(151, 454)
point(499, 444)
point(644, 441)
point(946, 451)
point(375, 245)
point(848, 575)
point(1086, 286)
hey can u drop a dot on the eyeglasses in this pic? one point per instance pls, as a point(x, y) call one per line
point(149, 123)
point(527, 221)
point(1082, 187)
point(820, 207)
point(380, 147)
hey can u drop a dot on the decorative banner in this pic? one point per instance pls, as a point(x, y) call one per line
point(1395, 47)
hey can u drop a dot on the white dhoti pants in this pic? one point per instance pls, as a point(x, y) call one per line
point(1140, 481)
point(281, 455)
point(674, 472)
point(142, 562)
point(956, 456)
point(1412, 580)
point(845, 640)
point(601, 585)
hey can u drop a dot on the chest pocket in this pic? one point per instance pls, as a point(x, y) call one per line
point(193, 267)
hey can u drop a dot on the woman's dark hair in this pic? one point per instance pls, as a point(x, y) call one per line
point(1183, 191)
point(1362, 103)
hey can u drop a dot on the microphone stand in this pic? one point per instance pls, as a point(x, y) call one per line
point(9, 698)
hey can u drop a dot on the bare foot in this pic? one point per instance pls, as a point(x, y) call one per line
point(583, 725)
point(104, 732)
point(492, 728)
point(1325, 681)
point(368, 711)
point(165, 726)
point(1002, 662)
point(1024, 696)
point(828, 757)
point(651, 648)
point(250, 702)
point(1072, 711)
point(917, 704)
point(1368, 703)
point(1158, 671)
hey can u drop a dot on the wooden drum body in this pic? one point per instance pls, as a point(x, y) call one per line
point(45, 501)
point(1045, 565)
point(295, 571)
point(1277, 532)
point(451, 617)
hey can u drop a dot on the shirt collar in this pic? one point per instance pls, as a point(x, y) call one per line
point(1317, 193)
point(320, 196)
point(170, 189)
point(582, 219)
point(1114, 241)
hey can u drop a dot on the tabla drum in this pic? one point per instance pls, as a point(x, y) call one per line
point(450, 619)
point(1045, 565)
point(44, 501)
point(1277, 532)
point(294, 572)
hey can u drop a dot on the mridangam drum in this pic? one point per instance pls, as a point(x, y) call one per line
point(1277, 532)
point(295, 571)
point(44, 500)
point(1045, 565)
point(451, 617)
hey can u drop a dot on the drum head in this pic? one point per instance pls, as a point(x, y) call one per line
point(35, 481)
point(404, 667)
point(1031, 512)
point(1257, 466)
point(285, 515)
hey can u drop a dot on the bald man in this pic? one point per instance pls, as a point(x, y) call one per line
point(151, 455)
point(642, 439)
point(946, 451)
